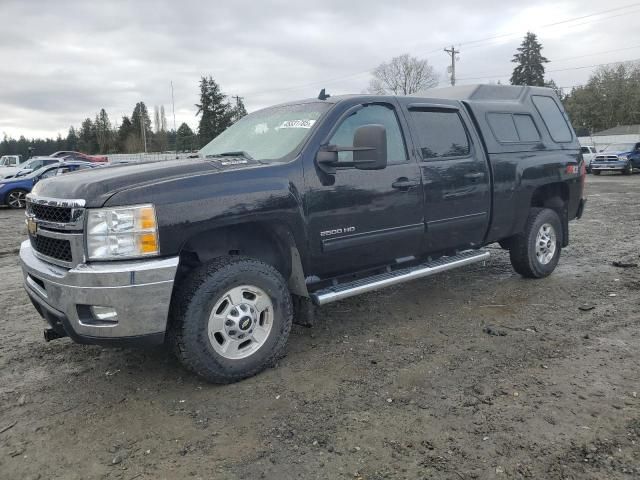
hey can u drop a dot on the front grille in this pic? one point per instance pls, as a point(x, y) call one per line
point(606, 158)
point(52, 247)
point(49, 213)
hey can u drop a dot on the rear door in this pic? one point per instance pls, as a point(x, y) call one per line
point(455, 174)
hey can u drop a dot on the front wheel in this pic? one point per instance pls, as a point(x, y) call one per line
point(535, 252)
point(17, 199)
point(629, 170)
point(231, 319)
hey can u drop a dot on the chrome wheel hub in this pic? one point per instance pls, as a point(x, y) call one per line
point(240, 322)
point(17, 199)
point(545, 244)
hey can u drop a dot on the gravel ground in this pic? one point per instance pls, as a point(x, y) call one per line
point(403, 383)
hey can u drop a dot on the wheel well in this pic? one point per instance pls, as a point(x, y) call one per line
point(272, 244)
point(556, 197)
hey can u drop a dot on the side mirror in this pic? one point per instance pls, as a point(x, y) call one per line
point(369, 151)
point(370, 147)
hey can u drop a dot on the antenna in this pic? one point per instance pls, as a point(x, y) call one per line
point(323, 95)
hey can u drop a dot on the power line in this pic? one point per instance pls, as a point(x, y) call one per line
point(469, 42)
point(491, 74)
point(556, 70)
point(568, 20)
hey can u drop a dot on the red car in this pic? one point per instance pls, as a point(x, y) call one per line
point(70, 155)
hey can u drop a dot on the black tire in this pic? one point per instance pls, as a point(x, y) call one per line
point(18, 196)
point(523, 247)
point(193, 302)
point(596, 172)
point(628, 170)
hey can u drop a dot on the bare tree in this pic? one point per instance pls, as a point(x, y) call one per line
point(403, 75)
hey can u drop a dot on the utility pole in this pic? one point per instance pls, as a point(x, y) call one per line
point(452, 52)
point(238, 99)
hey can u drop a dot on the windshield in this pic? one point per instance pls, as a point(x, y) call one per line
point(269, 134)
point(619, 147)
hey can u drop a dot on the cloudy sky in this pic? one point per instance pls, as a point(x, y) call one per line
point(62, 61)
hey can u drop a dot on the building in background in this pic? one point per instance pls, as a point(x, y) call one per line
point(615, 135)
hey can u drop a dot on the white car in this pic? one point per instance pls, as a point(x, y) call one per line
point(10, 160)
point(27, 167)
point(588, 153)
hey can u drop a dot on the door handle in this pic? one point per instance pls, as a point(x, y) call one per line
point(474, 176)
point(404, 184)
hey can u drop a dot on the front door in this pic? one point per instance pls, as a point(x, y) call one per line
point(455, 173)
point(366, 217)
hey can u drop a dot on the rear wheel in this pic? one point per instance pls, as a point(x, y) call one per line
point(535, 252)
point(17, 199)
point(231, 319)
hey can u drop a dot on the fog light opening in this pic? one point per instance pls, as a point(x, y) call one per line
point(104, 314)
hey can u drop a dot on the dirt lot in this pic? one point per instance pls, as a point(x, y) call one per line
point(403, 383)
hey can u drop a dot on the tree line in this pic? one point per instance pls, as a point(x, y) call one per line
point(137, 132)
point(611, 97)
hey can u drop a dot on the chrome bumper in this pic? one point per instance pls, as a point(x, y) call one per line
point(139, 291)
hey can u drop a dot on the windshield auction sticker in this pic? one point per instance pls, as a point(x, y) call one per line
point(297, 124)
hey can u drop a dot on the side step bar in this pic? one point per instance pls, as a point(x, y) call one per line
point(376, 282)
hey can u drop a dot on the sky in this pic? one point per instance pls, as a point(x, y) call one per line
point(60, 62)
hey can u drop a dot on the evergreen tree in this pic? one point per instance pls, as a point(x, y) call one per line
point(103, 131)
point(216, 113)
point(530, 68)
point(72, 140)
point(239, 110)
point(184, 138)
point(163, 119)
point(139, 120)
point(156, 119)
point(88, 142)
point(125, 132)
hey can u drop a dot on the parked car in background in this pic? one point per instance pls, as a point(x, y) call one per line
point(29, 166)
point(617, 157)
point(10, 160)
point(13, 191)
point(589, 152)
point(71, 155)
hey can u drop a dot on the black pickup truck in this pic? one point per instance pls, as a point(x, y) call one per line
point(296, 206)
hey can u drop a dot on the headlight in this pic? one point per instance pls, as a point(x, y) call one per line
point(122, 232)
point(624, 158)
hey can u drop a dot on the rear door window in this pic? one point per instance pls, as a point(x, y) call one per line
point(441, 134)
point(553, 118)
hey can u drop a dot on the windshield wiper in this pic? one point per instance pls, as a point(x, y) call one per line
point(239, 153)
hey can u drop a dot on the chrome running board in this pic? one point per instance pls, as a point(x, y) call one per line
point(376, 282)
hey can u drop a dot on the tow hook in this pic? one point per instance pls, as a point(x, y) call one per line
point(51, 334)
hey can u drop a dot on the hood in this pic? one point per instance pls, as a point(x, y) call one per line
point(97, 185)
point(4, 171)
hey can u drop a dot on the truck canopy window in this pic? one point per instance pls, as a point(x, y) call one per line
point(527, 130)
point(553, 118)
point(441, 134)
point(372, 114)
point(503, 127)
point(513, 128)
